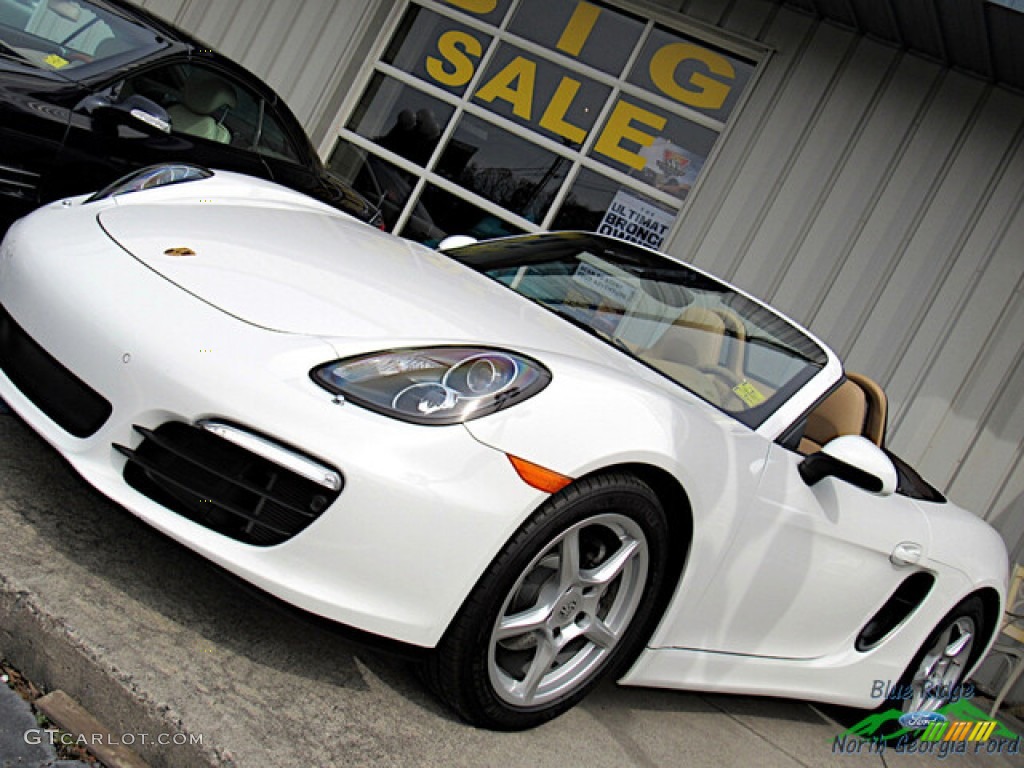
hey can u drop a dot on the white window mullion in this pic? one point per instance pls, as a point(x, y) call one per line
point(581, 157)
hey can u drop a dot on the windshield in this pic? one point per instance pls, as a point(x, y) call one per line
point(700, 333)
point(69, 35)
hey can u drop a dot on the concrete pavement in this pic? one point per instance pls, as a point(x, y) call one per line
point(192, 668)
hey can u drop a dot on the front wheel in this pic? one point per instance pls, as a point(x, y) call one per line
point(935, 676)
point(567, 600)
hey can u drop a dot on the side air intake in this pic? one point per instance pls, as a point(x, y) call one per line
point(910, 594)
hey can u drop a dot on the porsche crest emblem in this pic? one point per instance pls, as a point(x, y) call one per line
point(179, 252)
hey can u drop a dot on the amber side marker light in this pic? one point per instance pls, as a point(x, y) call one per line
point(537, 476)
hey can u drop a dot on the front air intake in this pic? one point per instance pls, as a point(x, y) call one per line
point(225, 486)
point(71, 403)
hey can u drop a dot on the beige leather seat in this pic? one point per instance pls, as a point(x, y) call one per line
point(690, 350)
point(697, 338)
point(857, 407)
point(694, 339)
point(203, 104)
point(878, 408)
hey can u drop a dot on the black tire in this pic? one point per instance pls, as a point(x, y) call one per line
point(526, 673)
point(936, 674)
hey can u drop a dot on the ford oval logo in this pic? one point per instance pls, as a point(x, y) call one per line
point(921, 719)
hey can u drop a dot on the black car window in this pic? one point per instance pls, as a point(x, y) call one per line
point(204, 102)
point(69, 35)
point(201, 102)
point(273, 139)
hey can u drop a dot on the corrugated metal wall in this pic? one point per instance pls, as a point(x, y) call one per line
point(302, 48)
point(871, 194)
point(879, 199)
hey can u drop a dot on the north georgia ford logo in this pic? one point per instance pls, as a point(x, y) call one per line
point(921, 719)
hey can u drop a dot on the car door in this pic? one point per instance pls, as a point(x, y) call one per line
point(213, 121)
point(807, 566)
point(32, 127)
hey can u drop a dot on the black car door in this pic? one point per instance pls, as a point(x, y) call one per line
point(32, 127)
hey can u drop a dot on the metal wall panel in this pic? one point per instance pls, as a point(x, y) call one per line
point(302, 48)
point(878, 198)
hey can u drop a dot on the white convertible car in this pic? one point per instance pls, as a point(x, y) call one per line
point(547, 458)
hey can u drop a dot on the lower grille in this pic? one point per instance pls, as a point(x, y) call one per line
point(54, 390)
point(222, 485)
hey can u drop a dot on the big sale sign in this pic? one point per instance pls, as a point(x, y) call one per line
point(681, 70)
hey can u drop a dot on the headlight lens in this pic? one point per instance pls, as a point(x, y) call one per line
point(151, 177)
point(438, 385)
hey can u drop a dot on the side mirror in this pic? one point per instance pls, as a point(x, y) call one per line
point(149, 116)
point(455, 241)
point(855, 460)
point(135, 112)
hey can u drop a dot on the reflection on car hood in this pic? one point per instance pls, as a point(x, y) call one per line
point(300, 271)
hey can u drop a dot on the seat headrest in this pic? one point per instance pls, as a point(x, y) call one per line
point(205, 95)
point(842, 413)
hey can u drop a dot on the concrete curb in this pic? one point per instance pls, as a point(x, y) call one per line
point(45, 649)
point(77, 723)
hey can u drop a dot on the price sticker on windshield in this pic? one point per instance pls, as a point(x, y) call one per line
point(55, 61)
point(748, 393)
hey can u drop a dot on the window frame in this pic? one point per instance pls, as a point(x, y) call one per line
point(579, 158)
point(268, 104)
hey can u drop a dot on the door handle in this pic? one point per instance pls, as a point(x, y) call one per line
point(906, 553)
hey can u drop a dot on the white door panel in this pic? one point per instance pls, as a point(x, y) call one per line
point(808, 565)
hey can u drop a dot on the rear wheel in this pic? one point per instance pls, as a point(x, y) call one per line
point(568, 599)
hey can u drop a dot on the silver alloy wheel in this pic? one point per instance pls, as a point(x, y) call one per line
point(942, 667)
point(568, 609)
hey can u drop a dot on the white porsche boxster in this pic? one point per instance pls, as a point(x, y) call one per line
point(546, 458)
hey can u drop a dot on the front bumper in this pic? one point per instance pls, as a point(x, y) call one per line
point(423, 510)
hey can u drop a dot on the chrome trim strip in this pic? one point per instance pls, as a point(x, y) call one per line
point(19, 171)
point(309, 469)
point(17, 182)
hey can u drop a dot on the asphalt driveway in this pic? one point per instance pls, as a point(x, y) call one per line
point(197, 669)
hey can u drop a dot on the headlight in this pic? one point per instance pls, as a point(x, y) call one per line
point(439, 385)
point(151, 177)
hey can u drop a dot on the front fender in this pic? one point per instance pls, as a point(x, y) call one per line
point(591, 417)
point(965, 542)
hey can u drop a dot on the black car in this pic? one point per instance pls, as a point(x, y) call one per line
point(93, 89)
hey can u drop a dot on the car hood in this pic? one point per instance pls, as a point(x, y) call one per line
point(317, 273)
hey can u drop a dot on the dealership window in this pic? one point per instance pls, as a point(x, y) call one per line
point(493, 117)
